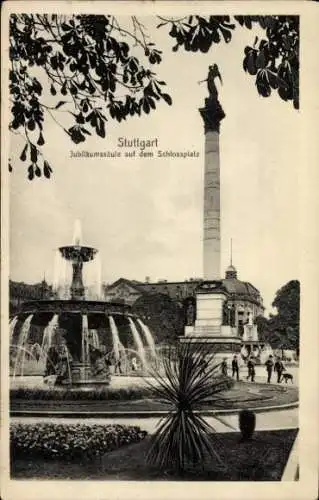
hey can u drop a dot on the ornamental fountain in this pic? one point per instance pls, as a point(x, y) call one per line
point(75, 334)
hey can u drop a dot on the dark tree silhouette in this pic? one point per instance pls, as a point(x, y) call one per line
point(282, 329)
point(286, 321)
point(80, 71)
point(262, 327)
point(273, 60)
point(90, 73)
point(163, 315)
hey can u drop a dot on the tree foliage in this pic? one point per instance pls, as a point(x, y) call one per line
point(86, 70)
point(287, 303)
point(163, 315)
point(273, 59)
point(262, 327)
point(82, 62)
point(282, 329)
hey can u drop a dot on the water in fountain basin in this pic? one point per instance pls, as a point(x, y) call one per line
point(23, 337)
point(48, 333)
point(148, 337)
point(138, 342)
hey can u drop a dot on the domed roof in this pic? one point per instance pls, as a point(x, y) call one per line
point(234, 285)
point(241, 289)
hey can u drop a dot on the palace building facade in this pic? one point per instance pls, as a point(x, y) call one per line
point(244, 302)
point(20, 292)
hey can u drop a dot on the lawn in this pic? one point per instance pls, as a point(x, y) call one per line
point(261, 459)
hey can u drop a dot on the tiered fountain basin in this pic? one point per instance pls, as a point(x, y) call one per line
point(74, 252)
point(83, 327)
point(75, 340)
point(57, 306)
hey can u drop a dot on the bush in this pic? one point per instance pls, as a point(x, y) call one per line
point(104, 394)
point(69, 441)
point(247, 424)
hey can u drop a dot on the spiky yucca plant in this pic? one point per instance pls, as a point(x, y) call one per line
point(187, 382)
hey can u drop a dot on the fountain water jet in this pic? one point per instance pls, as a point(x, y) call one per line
point(12, 325)
point(77, 233)
point(48, 333)
point(19, 363)
point(148, 337)
point(23, 337)
point(115, 338)
point(138, 342)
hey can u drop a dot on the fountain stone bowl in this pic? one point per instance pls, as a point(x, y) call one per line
point(82, 377)
point(58, 306)
point(78, 252)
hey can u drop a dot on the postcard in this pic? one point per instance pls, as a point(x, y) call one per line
point(159, 250)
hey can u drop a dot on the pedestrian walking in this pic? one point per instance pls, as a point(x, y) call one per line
point(279, 368)
point(224, 367)
point(235, 367)
point(251, 370)
point(269, 367)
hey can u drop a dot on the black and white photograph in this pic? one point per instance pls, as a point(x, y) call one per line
point(154, 260)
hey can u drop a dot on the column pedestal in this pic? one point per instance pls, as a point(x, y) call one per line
point(208, 328)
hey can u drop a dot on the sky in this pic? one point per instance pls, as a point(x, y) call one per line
point(146, 215)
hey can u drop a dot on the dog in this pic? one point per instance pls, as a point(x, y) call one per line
point(287, 376)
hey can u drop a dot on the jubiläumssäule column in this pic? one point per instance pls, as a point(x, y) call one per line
point(212, 115)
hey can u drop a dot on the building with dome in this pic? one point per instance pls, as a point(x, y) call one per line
point(242, 303)
point(243, 300)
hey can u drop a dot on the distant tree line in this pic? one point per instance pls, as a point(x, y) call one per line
point(281, 330)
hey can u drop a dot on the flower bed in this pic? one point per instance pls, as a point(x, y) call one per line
point(262, 459)
point(104, 394)
point(69, 442)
